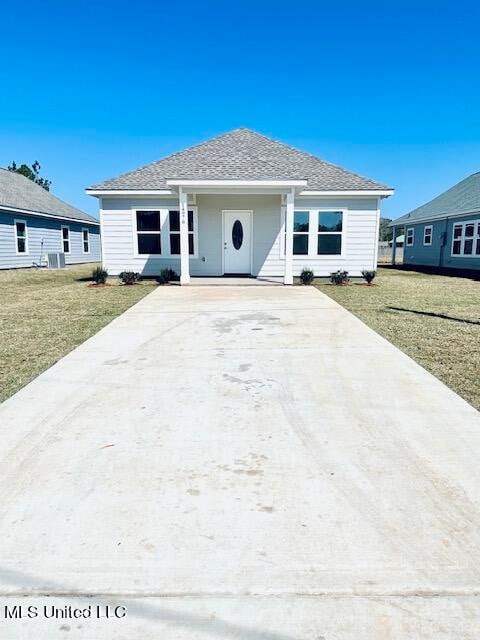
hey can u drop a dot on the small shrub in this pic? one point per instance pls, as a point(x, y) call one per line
point(166, 275)
point(368, 275)
point(99, 275)
point(307, 276)
point(129, 277)
point(339, 277)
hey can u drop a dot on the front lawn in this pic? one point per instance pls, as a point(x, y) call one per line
point(45, 314)
point(434, 319)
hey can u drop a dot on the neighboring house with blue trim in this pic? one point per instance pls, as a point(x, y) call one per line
point(34, 223)
point(445, 232)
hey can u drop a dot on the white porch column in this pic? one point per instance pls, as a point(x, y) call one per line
point(394, 246)
point(288, 279)
point(184, 256)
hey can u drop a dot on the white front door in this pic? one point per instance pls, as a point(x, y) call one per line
point(237, 241)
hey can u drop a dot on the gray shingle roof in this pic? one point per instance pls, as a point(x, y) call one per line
point(464, 197)
point(19, 192)
point(241, 154)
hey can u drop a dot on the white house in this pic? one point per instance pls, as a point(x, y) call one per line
point(240, 203)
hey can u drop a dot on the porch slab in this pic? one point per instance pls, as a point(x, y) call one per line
point(223, 281)
point(240, 463)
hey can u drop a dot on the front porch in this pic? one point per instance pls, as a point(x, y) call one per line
point(244, 251)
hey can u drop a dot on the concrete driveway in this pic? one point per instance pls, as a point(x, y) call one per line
point(240, 463)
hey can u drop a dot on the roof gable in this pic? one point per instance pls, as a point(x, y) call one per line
point(241, 154)
point(18, 192)
point(464, 197)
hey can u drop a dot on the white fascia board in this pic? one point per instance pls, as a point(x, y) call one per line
point(129, 192)
point(237, 183)
point(39, 214)
point(283, 184)
point(377, 193)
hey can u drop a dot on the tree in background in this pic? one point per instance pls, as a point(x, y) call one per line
point(32, 173)
point(385, 233)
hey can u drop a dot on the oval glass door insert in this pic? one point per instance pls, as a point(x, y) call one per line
point(237, 234)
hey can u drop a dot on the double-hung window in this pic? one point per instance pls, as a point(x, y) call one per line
point(149, 232)
point(301, 227)
point(329, 233)
point(410, 233)
point(427, 235)
point(85, 241)
point(174, 230)
point(318, 233)
point(469, 233)
point(66, 239)
point(457, 239)
point(21, 236)
point(466, 238)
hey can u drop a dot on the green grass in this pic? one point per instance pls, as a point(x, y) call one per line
point(45, 314)
point(434, 319)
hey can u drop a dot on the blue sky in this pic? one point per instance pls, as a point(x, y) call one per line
point(389, 90)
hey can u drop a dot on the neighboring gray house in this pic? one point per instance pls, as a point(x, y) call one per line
point(445, 232)
point(34, 223)
point(241, 203)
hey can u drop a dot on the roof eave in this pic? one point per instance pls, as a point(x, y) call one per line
point(298, 185)
point(99, 191)
point(378, 193)
point(441, 216)
point(28, 212)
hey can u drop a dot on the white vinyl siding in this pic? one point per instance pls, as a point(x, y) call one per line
point(119, 235)
point(118, 240)
point(359, 241)
point(360, 220)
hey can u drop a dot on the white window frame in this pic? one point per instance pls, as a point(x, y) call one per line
point(331, 233)
point(164, 233)
point(194, 232)
point(428, 227)
point(26, 252)
point(148, 256)
point(409, 239)
point(313, 232)
point(462, 238)
point(87, 230)
point(69, 239)
point(303, 233)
